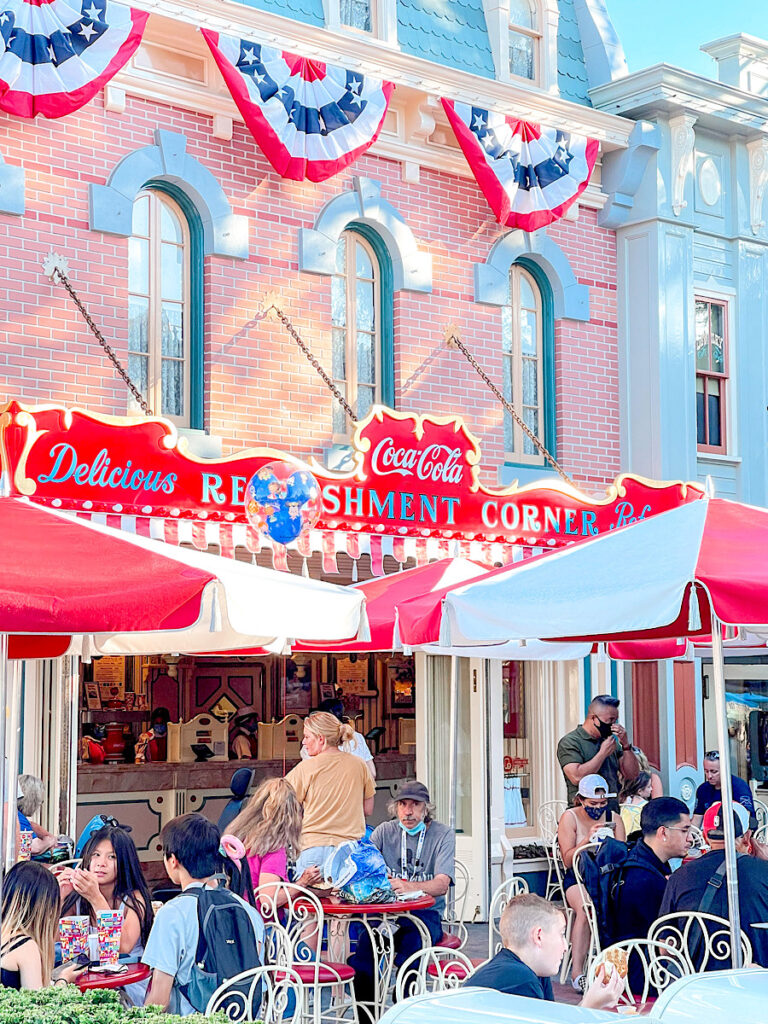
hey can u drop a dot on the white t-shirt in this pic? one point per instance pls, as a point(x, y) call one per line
point(356, 746)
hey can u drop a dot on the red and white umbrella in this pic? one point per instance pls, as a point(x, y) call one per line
point(124, 594)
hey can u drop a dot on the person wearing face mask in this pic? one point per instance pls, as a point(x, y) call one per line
point(419, 853)
point(599, 746)
point(152, 745)
point(585, 823)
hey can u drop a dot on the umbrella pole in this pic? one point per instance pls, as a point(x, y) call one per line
point(453, 742)
point(726, 790)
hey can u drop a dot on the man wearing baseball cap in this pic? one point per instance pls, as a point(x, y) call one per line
point(700, 884)
point(420, 853)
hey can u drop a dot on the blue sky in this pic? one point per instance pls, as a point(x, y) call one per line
point(671, 31)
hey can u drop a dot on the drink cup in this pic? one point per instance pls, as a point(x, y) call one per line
point(109, 924)
point(73, 936)
point(93, 947)
point(25, 847)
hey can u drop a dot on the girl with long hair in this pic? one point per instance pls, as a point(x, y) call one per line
point(635, 794)
point(334, 788)
point(269, 827)
point(110, 878)
point(30, 916)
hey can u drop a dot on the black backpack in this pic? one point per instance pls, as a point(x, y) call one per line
point(602, 871)
point(226, 945)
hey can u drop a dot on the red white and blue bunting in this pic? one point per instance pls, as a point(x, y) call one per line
point(55, 55)
point(530, 175)
point(310, 119)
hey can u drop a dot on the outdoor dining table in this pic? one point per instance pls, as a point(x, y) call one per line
point(380, 923)
point(95, 979)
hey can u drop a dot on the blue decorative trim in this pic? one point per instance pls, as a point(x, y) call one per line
point(623, 172)
point(587, 682)
point(111, 205)
point(570, 299)
point(196, 293)
point(12, 198)
point(411, 268)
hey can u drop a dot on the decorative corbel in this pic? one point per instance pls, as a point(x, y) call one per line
point(683, 140)
point(758, 179)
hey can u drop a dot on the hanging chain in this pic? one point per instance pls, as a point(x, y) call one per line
point(453, 339)
point(56, 268)
point(311, 359)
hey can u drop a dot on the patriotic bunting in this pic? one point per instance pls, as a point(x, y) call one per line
point(55, 55)
point(310, 119)
point(530, 175)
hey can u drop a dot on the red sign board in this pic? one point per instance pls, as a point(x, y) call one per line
point(413, 476)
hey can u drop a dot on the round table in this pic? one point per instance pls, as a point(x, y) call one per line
point(378, 920)
point(89, 979)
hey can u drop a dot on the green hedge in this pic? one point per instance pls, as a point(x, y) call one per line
point(62, 1005)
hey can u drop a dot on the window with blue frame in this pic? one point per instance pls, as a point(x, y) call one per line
point(165, 305)
point(528, 364)
point(711, 375)
point(361, 325)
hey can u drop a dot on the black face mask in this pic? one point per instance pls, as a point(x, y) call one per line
point(605, 728)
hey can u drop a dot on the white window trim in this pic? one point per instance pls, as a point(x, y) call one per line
point(498, 22)
point(384, 29)
point(729, 298)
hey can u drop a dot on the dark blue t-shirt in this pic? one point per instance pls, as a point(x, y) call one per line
point(706, 795)
point(506, 972)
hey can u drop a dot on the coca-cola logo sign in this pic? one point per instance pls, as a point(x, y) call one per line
point(437, 463)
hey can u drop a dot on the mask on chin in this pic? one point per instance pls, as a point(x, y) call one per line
point(605, 729)
point(595, 813)
point(415, 830)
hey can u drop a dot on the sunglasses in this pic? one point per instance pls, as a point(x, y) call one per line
point(712, 755)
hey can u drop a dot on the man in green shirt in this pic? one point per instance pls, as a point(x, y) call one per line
point(598, 747)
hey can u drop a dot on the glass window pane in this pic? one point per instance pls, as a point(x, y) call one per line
point(521, 55)
point(140, 222)
point(172, 272)
point(366, 398)
point(364, 302)
point(701, 420)
point(702, 335)
point(138, 324)
point(138, 370)
point(363, 265)
point(338, 302)
point(509, 426)
point(366, 358)
point(173, 387)
point(170, 226)
point(339, 354)
point(339, 416)
point(531, 420)
point(527, 298)
point(528, 333)
point(173, 330)
point(717, 337)
point(506, 328)
point(530, 382)
point(341, 255)
point(138, 265)
point(356, 14)
point(522, 14)
point(713, 412)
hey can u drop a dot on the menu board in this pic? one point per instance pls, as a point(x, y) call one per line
point(352, 676)
point(109, 673)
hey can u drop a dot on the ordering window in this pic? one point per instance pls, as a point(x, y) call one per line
point(516, 732)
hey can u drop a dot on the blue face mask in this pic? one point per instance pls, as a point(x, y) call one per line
point(415, 830)
point(159, 729)
point(595, 813)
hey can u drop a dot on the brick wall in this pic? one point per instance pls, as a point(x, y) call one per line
point(259, 389)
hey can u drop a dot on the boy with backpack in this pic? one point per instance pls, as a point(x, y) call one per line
point(204, 936)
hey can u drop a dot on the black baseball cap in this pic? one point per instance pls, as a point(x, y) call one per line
point(413, 791)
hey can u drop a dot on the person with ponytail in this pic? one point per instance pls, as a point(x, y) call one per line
point(335, 790)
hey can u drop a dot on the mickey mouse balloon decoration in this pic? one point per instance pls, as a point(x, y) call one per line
point(282, 500)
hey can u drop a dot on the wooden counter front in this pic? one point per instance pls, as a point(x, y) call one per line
point(146, 796)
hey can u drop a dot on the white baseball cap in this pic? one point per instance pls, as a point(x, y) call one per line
point(590, 785)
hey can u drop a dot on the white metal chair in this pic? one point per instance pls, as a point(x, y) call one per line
point(270, 994)
point(703, 939)
point(761, 813)
point(550, 813)
point(514, 886)
point(294, 925)
point(594, 947)
point(433, 969)
point(454, 917)
point(661, 965)
point(698, 841)
point(761, 833)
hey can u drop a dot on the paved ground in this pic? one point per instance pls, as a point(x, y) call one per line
point(477, 947)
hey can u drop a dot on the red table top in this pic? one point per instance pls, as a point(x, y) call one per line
point(136, 972)
point(332, 908)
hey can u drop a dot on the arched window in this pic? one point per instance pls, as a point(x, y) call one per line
point(527, 346)
point(524, 37)
point(361, 322)
point(161, 325)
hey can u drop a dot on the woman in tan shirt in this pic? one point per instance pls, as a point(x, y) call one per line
point(334, 788)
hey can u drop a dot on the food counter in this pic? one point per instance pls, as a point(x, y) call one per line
point(147, 796)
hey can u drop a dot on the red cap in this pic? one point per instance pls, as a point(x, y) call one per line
point(713, 821)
